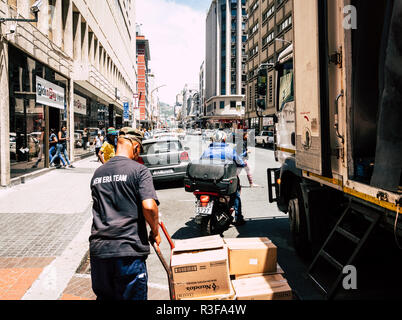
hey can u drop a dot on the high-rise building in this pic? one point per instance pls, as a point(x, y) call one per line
point(224, 71)
point(269, 29)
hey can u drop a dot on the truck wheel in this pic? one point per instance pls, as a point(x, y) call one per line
point(298, 224)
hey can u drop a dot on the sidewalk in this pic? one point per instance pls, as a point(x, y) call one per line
point(44, 230)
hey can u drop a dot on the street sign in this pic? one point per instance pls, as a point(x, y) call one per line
point(126, 111)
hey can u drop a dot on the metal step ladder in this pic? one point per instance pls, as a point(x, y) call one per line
point(353, 207)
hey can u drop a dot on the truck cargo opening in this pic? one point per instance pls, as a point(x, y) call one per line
point(376, 113)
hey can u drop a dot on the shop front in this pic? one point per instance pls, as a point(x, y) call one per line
point(91, 115)
point(37, 104)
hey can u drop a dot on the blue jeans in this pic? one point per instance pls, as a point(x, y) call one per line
point(59, 151)
point(51, 150)
point(119, 278)
point(237, 205)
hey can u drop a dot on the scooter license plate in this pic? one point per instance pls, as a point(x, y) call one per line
point(205, 211)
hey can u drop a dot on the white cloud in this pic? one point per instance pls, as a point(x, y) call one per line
point(176, 35)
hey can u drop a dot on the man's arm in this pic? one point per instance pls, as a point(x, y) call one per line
point(151, 214)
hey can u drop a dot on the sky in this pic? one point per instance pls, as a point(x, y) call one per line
point(176, 33)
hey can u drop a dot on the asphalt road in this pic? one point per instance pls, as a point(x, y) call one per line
point(263, 220)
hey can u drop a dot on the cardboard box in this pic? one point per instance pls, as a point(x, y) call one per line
point(274, 287)
point(200, 268)
point(279, 270)
point(221, 297)
point(251, 255)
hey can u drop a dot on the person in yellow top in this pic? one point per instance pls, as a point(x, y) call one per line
point(108, 150)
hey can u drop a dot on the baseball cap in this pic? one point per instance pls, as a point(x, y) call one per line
point(133, 132)
point(134, 137)
point(111, 130)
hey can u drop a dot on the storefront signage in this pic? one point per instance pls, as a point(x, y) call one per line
point(49, 94)
point(268, 121)
point(80, 104)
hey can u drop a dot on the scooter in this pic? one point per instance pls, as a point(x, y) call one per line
point(213, 212)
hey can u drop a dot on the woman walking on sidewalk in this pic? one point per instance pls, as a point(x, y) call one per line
point(245, 158)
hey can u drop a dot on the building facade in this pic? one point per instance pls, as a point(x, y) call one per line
point(224, 63)
point(269, 29)
point(201, 90)
point(143, 58)
point(74, 67)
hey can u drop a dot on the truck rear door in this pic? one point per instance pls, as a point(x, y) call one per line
point(311, 87)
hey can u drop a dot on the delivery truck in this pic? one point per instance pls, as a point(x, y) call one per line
point(338, 128)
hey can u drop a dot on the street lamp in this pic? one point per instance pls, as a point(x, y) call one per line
point(34, 9)
point(152, 103)
point(283, 40)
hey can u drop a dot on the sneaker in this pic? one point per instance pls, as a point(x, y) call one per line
point(253, 185)
point(71, 166)
point(239, 222)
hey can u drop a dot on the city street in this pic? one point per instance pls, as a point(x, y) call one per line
point(263, 220)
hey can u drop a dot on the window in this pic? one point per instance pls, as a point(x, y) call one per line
point(222, 104)
point(268, 38)
point(285, 24)
point(233, 104)
point(268, 13)
point(254, 29)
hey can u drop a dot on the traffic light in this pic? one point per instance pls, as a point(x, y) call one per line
point(261, 104)
point(262, 82)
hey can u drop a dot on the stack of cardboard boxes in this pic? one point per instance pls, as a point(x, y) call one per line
point(212, 268)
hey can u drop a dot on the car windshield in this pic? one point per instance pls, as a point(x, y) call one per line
point(162, 147)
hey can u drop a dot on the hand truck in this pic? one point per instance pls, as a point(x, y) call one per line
point(162, 259)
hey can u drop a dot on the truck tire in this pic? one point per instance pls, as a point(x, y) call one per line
point(298, 223)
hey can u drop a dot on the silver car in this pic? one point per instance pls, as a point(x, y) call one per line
point(167, 159)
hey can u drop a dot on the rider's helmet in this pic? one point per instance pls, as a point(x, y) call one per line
point(219, 136)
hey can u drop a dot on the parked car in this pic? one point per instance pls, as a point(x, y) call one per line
point(265, 138)
point(167, 159)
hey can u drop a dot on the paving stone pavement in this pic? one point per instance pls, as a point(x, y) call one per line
point(44, 230)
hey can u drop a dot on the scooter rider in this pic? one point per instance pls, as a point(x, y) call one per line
point(220, 150)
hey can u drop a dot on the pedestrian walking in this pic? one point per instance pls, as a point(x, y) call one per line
point(98, 145)
point(57, 151)
point(52, 144)
point(41, 147)
point(245, 158)
point(124, 200)
point(107, 151)
point(63, 142)
point(85, 138)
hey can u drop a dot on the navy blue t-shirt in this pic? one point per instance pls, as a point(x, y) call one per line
point(119, 226)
